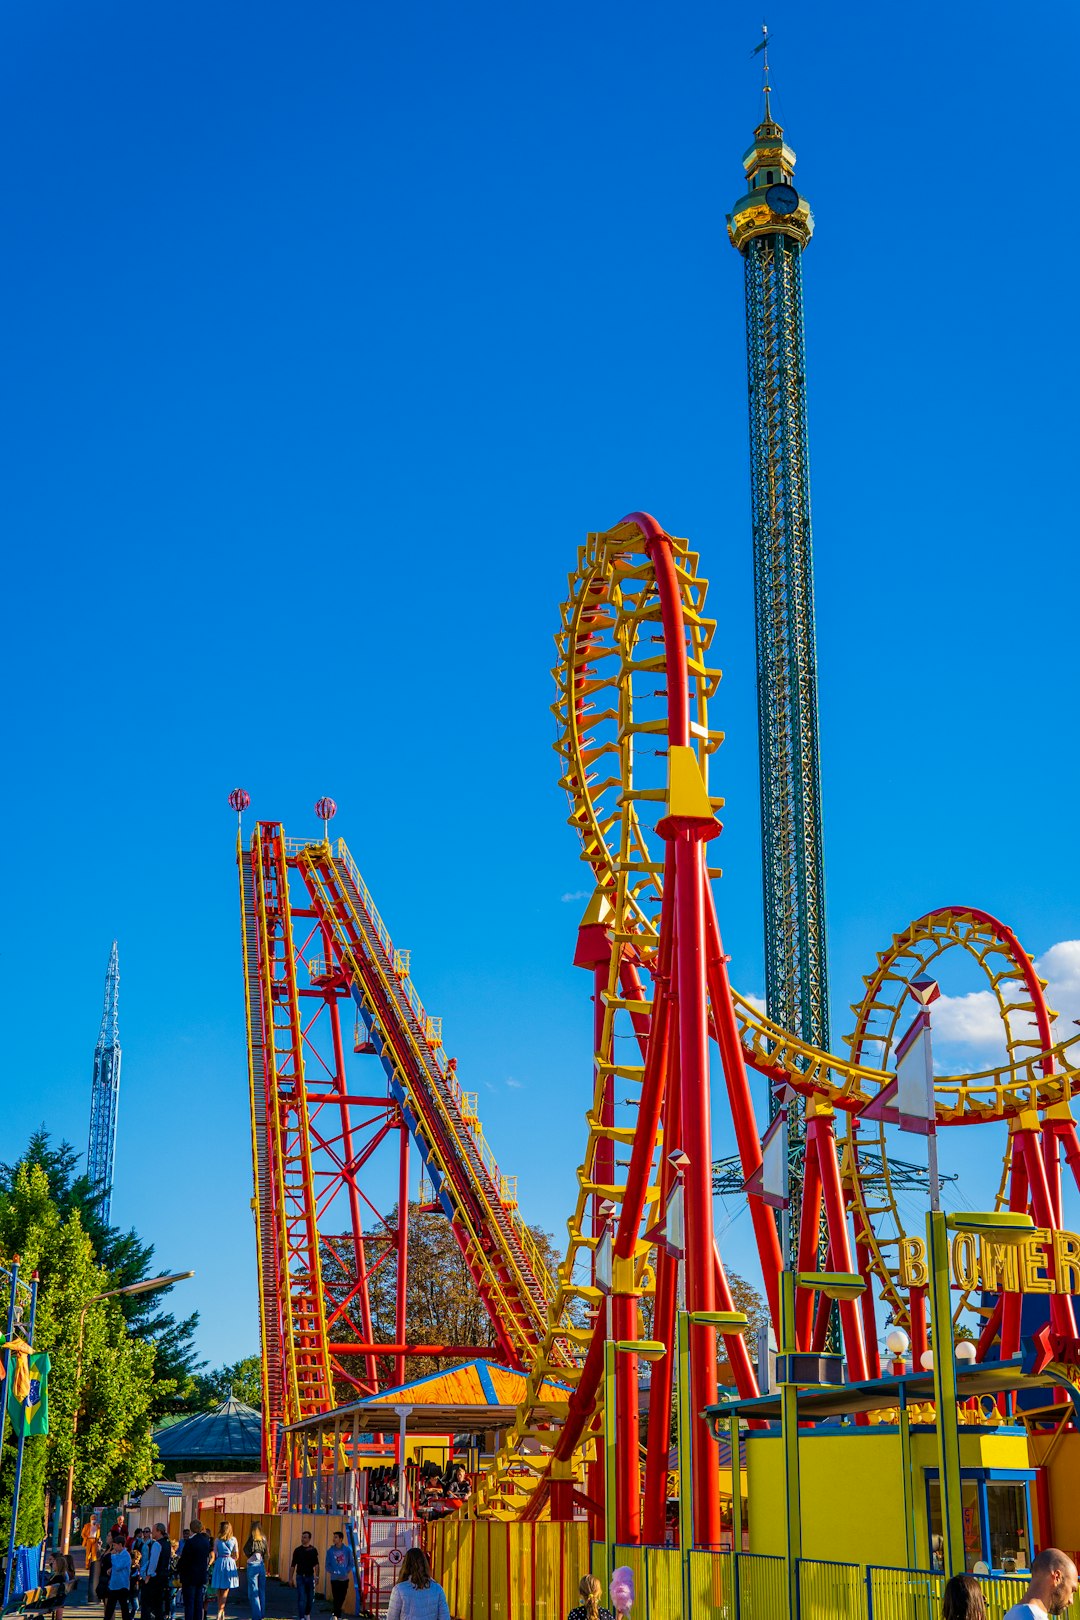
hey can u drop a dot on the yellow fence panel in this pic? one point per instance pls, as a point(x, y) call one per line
point(761, 1586)
point(831, 1591)
point(1001, 1592)
point(711, 1579)
point(905, 1594)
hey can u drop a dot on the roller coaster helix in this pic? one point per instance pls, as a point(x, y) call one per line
point(634, 684)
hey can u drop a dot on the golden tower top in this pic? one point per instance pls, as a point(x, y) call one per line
point(772, 205)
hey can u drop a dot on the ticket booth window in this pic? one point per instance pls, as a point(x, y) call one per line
point(997, 1518)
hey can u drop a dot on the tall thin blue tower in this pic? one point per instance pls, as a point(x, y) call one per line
point(770, 226)
point(105, 1090)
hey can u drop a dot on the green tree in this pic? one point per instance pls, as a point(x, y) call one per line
point(118, 1387)
point(123, 1255)
point(241, 1378)
point(442, 1307)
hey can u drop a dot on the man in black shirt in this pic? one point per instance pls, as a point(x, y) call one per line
point(303, 1573)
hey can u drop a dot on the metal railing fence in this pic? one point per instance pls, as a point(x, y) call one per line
point(831, 1591)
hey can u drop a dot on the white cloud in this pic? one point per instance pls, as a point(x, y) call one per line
point(515, 1085)
point(973, 1023)
point(578, 894)
point(972, 1020)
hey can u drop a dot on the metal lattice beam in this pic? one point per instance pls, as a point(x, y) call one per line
point(105, 1090)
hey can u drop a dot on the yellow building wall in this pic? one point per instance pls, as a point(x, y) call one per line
point(852, 1490)
point(1060, 1456)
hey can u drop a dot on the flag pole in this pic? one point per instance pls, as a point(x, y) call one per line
point(9, 1570)
point(13, 1278)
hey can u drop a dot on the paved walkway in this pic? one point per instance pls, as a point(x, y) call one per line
point(280, 1603)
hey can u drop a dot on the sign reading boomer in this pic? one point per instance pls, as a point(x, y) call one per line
point(1044, 1262)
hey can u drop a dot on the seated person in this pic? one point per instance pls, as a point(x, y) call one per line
point(49, 1598)
point(460, 1487)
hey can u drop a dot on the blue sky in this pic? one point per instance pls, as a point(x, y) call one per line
point(330, 332)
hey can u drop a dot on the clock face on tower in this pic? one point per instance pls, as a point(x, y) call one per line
point(782, 199)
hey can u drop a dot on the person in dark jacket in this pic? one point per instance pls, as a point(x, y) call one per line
point(155, 1574)
point(193, 1567)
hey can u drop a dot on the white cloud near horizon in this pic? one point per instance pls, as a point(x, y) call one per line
point(972, 1022)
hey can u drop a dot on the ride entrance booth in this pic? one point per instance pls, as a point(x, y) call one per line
point(380, 1465)
point(866, 1481)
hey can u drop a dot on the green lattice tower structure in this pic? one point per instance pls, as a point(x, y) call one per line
point(770, 226)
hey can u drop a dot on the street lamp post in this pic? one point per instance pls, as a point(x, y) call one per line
point(403, 1418)
point(648, 1350)
point(9, 1568)
point(146, 1287)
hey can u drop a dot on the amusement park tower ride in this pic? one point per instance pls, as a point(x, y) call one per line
point(770, 226)
point(105, 1090)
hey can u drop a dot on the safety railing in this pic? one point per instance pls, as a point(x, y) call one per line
point(903, 1594)
point(760, 1586)
point(831, 1591)
point(506, 1186)
point(916, 1594)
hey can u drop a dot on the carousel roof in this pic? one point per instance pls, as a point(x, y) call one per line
point(230, 1430)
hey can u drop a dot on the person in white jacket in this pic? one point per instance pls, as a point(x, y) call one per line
point(416, 1596)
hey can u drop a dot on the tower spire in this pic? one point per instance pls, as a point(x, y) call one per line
point(764, 49)
point(105, 1090)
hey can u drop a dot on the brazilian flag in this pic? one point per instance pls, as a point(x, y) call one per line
point(31, 1415)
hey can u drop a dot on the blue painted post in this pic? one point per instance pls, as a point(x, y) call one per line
point(13, 1276)
point(9, 1571)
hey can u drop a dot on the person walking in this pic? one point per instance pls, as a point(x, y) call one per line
point(963, 1599)
point(1051, 1588)
point(224, 1575)
point(416, 1596)
point(193, 1567)
point(303, 1573)
point(119, 1588)
point(338, 1568)
point(136, 1550)
point(590, 1592)
point(256, 1552)
point(156, 1561)
point(91, 1540)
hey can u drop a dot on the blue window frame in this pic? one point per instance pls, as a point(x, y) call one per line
point(996, 1505)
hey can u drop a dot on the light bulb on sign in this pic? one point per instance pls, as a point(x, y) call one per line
point(897, 1342)
point(966, 1350)
point(926, 1361)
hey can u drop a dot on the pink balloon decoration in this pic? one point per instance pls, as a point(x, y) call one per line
point(239, 798)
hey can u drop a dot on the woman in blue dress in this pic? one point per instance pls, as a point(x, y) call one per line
point(224, 1574)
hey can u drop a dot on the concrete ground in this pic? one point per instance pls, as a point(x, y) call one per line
point(280, 1601)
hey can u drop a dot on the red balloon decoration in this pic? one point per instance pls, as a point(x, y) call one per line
point(239, 798)
point(325, 809)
